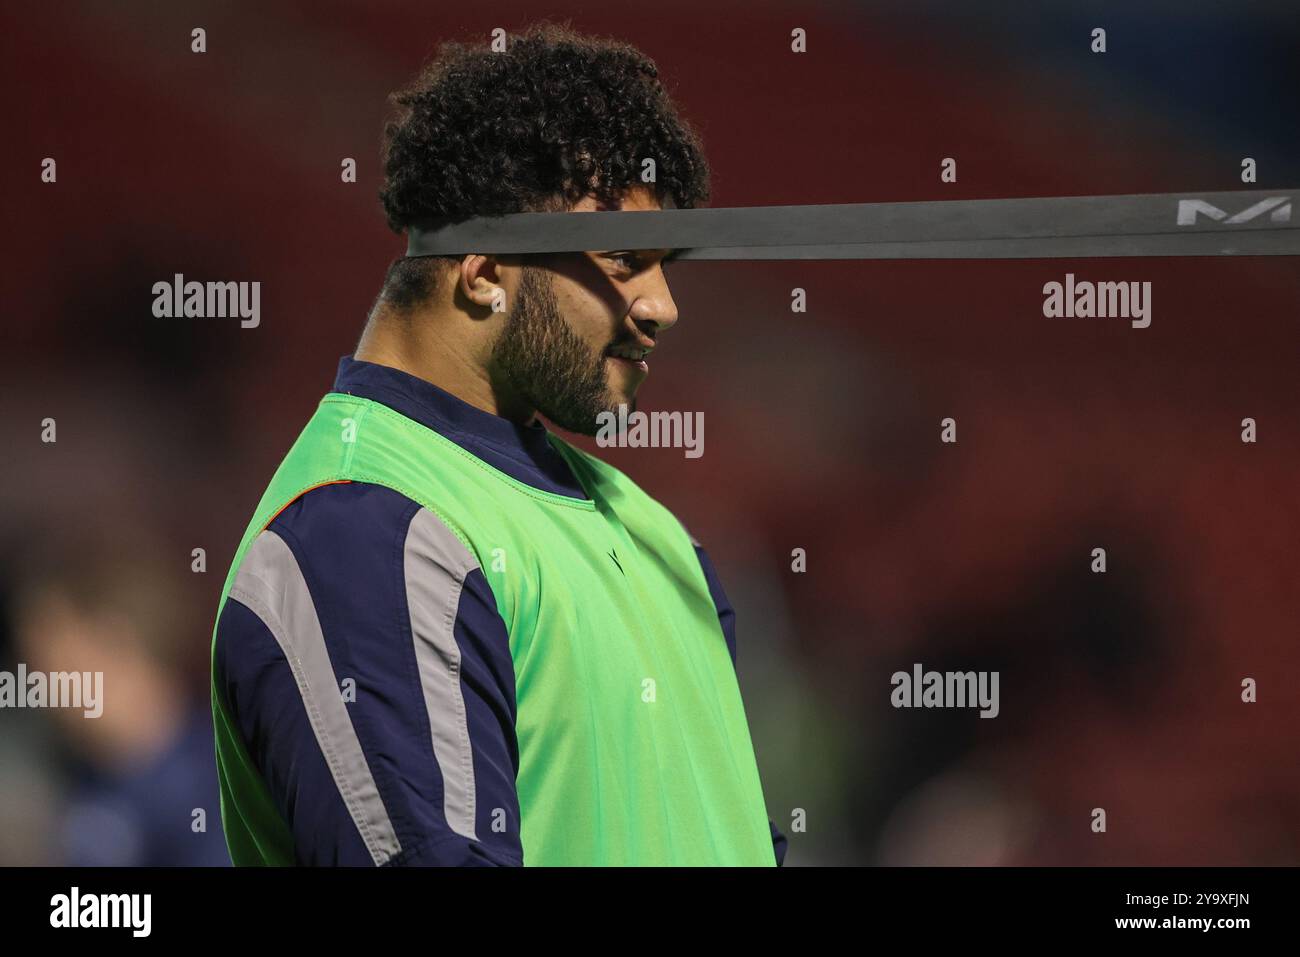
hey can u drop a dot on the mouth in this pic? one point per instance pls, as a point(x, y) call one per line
point(630, 356)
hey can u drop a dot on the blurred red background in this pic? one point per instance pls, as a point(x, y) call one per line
point(1119, 691)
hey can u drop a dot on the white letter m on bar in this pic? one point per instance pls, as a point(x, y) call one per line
point(1280, 205)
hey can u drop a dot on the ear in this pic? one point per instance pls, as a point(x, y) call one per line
point(480, 280)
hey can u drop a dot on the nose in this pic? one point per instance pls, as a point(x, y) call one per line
point(653, 306)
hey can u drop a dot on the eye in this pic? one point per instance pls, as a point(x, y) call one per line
point(627, 260)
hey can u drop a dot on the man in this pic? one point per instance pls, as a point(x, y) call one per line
point(449, 636)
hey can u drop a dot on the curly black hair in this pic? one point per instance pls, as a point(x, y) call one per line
point(557, 116)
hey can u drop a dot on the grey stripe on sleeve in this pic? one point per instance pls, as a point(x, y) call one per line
point(436, 563)
point(270, 583)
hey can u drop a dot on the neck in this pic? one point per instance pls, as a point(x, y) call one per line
point(421, 344)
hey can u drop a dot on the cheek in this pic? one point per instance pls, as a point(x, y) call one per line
point(593, 319)
point(593, 326)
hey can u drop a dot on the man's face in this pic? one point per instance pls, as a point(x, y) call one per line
point(579, 324)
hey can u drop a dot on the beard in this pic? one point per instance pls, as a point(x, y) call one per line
point(544, 361)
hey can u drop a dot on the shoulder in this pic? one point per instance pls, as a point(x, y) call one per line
point(346, 521)
point(347, 533)
point(354, 556)
point(363, 572)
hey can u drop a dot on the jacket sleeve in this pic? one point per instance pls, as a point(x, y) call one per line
point(727, 619)
point(369, 674)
